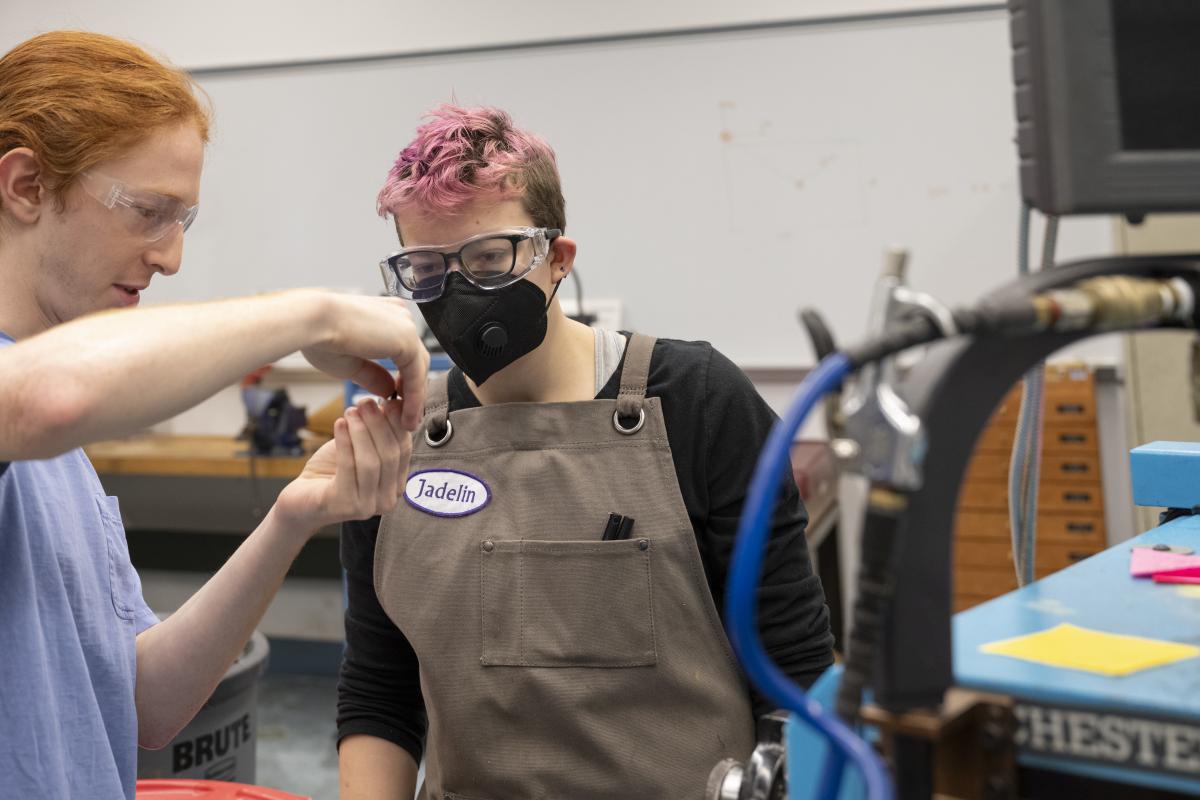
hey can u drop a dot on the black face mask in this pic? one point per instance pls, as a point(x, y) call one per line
point(483, 331)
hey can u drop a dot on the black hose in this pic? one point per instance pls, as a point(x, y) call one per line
point(818, 332)
point(906, 333)
point(876, 581)
point(987, 319)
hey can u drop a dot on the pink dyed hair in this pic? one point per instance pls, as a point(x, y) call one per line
point(461, 154)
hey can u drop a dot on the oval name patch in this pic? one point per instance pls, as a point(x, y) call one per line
point(446, 492)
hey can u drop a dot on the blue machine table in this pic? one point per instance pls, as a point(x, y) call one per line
point(1141, 729)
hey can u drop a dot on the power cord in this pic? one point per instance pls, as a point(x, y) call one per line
point(1025, 464)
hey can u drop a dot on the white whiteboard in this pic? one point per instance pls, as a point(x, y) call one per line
point(715, 183)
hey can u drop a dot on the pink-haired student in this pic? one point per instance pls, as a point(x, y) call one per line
point(541, 617)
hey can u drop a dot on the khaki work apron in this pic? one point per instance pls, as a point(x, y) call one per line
point(554, 665)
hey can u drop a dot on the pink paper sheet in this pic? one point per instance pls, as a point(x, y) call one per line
point(1143, 562)
point(1175, 577)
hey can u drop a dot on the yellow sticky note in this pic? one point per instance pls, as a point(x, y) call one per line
point(1188, 591)
point(1072, 647)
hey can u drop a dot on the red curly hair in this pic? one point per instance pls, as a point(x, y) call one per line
point(77, 99)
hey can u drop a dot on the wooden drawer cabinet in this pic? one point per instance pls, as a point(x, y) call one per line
point(986, 582)
point(1074, 528)
point(1070, 398)
point(990, 553)
point(963, 601)
point(1060, 438)
point(989, 465)
point(1062, 496)
point(1070, 525)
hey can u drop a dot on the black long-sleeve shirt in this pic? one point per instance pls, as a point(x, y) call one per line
point(716, 425)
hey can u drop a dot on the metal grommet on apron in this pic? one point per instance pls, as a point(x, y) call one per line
point(441, 440)
point(637, 426)
point(437, 406)
point(555, 664)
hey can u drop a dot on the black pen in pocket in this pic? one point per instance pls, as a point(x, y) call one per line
point(612, 528)
point(626, 528)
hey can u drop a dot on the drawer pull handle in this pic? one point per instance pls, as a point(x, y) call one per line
point(1077, 497)
point(1069, 408)
point(1073, 466)
point(1080, 527)
point(1072, 438)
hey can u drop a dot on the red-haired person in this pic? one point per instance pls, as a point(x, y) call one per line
point(101, 147)
point(541, 617)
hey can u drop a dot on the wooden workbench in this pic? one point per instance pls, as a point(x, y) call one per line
point(191, 456)
point(202, 484)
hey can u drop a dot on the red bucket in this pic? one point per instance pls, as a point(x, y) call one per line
point(155, 789)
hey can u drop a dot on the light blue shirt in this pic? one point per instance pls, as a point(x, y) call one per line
point(70, 608)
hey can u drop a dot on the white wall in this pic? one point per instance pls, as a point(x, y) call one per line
point(221, 33)
point(715, 182)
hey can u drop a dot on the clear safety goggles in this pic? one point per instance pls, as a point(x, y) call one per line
point(490, 261)
point(147, 214)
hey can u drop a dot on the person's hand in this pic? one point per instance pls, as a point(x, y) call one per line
point(365, 328)
point(359, 474)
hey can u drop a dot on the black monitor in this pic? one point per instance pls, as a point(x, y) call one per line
point(1108, 104)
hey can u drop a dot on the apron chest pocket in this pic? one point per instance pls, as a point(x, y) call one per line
point(567, 604)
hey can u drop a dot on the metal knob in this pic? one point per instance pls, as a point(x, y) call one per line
point(725, 780)
point(763, 777)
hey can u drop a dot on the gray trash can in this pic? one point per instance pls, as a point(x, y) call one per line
point(219, 744)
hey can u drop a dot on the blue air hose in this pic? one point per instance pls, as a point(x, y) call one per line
point(741, 597)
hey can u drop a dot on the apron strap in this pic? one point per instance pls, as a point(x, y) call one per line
point(437, 402)
point(629, 399)
point(634, 374)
